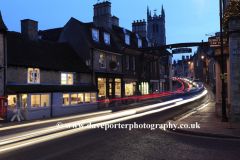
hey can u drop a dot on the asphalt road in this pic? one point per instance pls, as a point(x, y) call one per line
point(132, 144)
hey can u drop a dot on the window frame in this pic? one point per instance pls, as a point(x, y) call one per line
point(127, 61)
point(104, 59)
point(33, 76)
point(134, 62)
point(127, 42)
point(97, 38)
point(84, 96)
point(105, 36)
point(36, 108)
point(139, 40)
point(67, 78)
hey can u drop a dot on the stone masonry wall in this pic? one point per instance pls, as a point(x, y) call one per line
point(108, 58)
point(19, 75)
point(234, 51)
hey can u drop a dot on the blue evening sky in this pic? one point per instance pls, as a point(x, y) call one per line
point(186, 20)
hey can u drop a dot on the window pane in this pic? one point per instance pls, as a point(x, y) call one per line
point(36, 75)
point(102, 88)
point(12, 101)
point(73, 98)
point(87, 97)
point(70, 78)
point(128, 89)
point(93, 97)
point(65, 99)
point(63, 78)
point(45, 100)
point(24, 101)
point(114, 58)
point(80, 98)
point(30, 75)
point(117, 87)
point(35, 101)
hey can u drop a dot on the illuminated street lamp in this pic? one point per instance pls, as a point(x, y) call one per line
point(202, 57)
point(189, 62)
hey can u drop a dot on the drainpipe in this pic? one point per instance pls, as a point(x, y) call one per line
point(5, 63)
point(51, 104)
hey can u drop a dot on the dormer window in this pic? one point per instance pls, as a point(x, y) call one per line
point(106, 38)
point(33, 75)
point(95, 34)
point(127, 39)
point(139, 43)
point(149, 44)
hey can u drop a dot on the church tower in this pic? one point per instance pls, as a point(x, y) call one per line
point(156, 27)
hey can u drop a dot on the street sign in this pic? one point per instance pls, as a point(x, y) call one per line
point(182, 50)
point(216, 41)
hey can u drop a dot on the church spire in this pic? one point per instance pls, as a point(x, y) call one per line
point(2, 25)
point(163, 13)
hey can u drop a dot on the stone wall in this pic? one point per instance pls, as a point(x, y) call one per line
point(19, 75)
point(234, 51)
point(108, 58)
point(1, 64)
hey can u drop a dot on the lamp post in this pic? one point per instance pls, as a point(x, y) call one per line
point(224, 116)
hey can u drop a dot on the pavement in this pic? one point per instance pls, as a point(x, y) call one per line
point(208, 124)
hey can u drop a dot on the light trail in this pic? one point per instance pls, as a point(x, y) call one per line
point(53, 120)
point(76, 130)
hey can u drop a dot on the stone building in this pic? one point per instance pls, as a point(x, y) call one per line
point(45, 79)
point(3, 68)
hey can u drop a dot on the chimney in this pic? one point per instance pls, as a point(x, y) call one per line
point(115, 20)
point(190, 56)
point(187, 58)
point(140, 27)
point(183, 58)
point(102, 15)
point(30, 27)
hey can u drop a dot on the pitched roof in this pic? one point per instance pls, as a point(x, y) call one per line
point(43, 54)
point(50, 34)
point(86, 27)
point(13, 89)
point(2, 25)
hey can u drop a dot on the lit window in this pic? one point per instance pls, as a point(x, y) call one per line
point(95, 35)
point(127, 39)
point(114, 58)
point(33, 75)
point(87, 97)
point(40, 100)
point(127, 61)
point(88, 62)
point(106, 38)
point(12, 101)
point(93, 97)
point(133, 58)
point(67, 78)
point(65, 99)
point(102, 60)
point(80, 98)
point(139, 43)
point(73, 98)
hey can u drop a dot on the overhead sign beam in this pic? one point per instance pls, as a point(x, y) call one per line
point(182, 50)
point(177, 45)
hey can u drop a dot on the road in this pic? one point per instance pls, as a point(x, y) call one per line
point(132, 144)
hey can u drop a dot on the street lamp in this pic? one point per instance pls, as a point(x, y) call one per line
point(189, 62)
point(224, 116)
point(202, 57)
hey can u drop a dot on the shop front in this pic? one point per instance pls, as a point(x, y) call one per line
point(109, 87)
point(162, 85)
point(154, 86)
point(144, 87)
point(130, 86)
